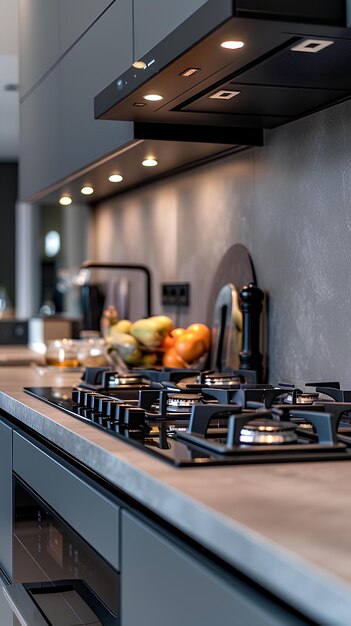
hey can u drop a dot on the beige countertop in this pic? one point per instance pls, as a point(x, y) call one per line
point(19, 355)
point(287, 526)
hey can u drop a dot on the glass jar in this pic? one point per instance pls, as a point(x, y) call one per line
point(62, 353)
point(91, 352)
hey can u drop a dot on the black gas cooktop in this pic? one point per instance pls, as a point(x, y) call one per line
point(230, 423)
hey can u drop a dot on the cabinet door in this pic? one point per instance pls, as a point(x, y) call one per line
point(6, 499)
point(39, 40)
point(155, 19)
point(79, 504)
point(48, 29)
point(184, 589)
point(104, 52)
point(6, 612)
point(39, 136)
point(75, 17)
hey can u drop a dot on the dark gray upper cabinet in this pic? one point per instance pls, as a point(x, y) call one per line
point(76, 16)
point(104, 51)
point(48, 29)
point(40, 136)
point(154, 19)
point(39, 40)
point(59, 134)
point(159, 567)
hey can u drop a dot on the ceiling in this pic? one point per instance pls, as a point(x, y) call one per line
point(9, 101)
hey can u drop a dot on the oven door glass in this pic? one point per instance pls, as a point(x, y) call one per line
point(56, 572)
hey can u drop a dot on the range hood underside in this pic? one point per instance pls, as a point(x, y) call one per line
point(273, 82)
point(276, 84)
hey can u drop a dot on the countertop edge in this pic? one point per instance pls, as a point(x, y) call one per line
point(315, 592)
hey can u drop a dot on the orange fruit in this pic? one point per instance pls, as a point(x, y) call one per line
point(190, 347)
point(202, 332)
point(172, 359)
point(168, 342)
point(177, 332)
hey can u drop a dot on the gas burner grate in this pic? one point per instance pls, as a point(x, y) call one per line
point(211, 431)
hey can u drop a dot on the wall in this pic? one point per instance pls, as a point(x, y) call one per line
point(8, 196)
point(71, 222)
point(290, 204)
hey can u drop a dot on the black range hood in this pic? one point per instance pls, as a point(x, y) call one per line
point(295, 60)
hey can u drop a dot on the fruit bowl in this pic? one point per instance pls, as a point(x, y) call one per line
point(154, 341)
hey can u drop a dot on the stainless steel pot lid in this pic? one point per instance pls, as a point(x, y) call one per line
point(268, 432)
point(182, 401)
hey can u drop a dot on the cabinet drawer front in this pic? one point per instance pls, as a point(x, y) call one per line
point(6, 499)
point(90, 513)
point(5, 609)
point(159, 567)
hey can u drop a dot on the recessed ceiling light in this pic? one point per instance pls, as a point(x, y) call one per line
point(139, 65)
point(65, 200)
point(224, 94)
point(153, 97)
point(87, 190)
point(311, 45)
point(232, 45)
point(149, 162)
point(115, 178)
point(190, 71)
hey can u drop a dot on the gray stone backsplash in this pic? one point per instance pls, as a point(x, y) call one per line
point(289, 203)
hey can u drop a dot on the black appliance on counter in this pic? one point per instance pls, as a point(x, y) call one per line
point(104, 284)
point(211, 418)
point(13, 332)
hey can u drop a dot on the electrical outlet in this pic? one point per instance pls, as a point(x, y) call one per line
point(175, 294)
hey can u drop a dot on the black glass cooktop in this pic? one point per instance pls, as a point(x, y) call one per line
point(167, 437)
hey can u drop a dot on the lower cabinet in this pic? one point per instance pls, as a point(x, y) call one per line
point(57, 566)
point(57, 526)
point(5, 498)
point(6, 612)
point(165, 582)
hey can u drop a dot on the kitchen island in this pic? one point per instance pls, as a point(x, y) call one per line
point(284, 526)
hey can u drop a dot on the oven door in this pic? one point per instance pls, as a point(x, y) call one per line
point(59, 579)
point(61, 603)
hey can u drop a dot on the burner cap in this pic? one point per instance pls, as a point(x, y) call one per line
point(125, 379)
point(302, 398)
point(268, 432)
point(307, 398)
point(182, 401)
point(215, 379)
